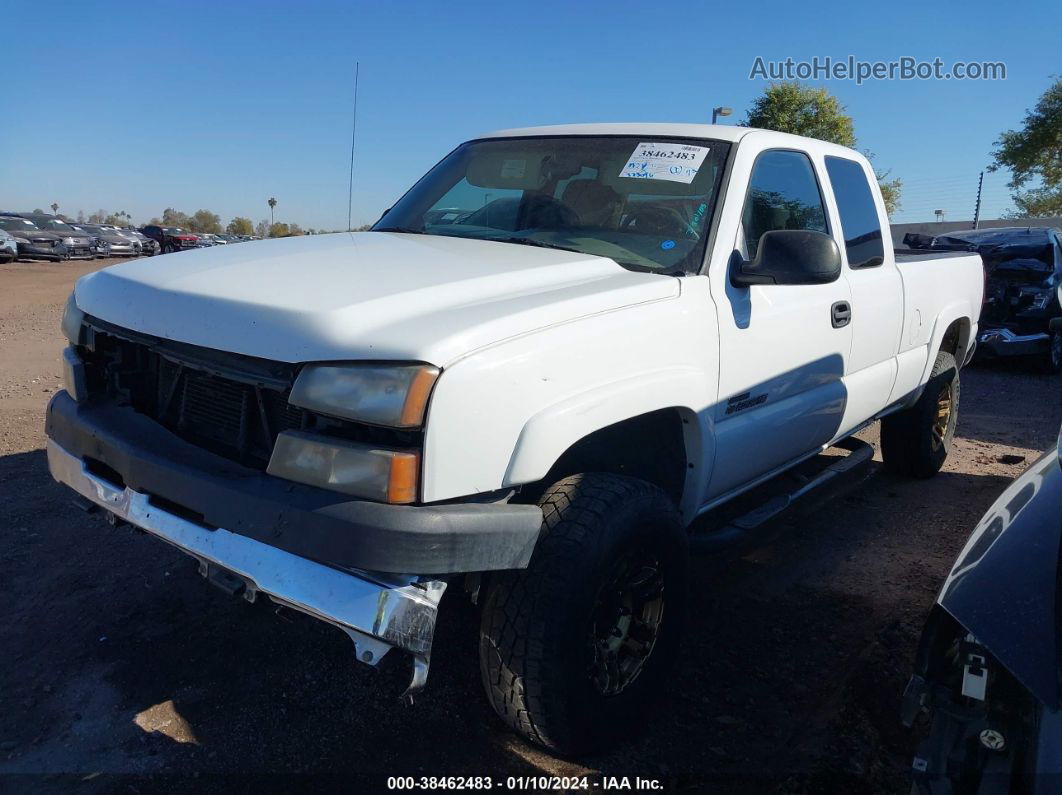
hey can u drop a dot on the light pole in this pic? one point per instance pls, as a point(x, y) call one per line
point(720, 111)
point(272, 204)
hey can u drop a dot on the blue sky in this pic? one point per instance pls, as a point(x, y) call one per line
point(219, 105)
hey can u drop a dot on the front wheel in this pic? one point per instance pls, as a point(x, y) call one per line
point(915, 442)
point(575, 649)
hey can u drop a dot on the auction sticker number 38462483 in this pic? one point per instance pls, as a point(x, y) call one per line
point(668, 161)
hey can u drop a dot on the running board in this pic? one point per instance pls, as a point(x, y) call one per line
point(741, 529)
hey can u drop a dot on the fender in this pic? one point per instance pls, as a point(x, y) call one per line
point(957, 310)
point(549, 433)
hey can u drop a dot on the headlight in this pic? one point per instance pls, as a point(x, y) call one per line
point(349, 467)
point(1043, 297)
point(73, 319)
point(1039, 297)
point(391, 395)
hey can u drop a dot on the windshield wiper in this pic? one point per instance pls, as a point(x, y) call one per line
point(530, 241)
point(406, 230)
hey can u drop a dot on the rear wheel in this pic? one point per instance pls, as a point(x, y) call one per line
point(915, 442)
point(575, 649)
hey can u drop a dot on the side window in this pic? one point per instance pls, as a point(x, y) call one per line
point(783, 194)
point(859, 215)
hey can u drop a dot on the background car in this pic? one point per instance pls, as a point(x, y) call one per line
point(118, 245)
point(33, 242)
point(148, 247)
point(170, 238)
point(78, 244)
point(8, 246)
point(987, 672)
point(1023, 269)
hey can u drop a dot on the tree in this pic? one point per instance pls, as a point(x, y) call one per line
point(1034, 154)
point(172, 217)
point(55, 208)
point(98, 217)
point(240, 226)
point(802, 110)
point(261, 229)
point(272, 203)
point(81, 216)
point(1037, 203)
point(813, 112)
point(205, 221)
point(279, 230)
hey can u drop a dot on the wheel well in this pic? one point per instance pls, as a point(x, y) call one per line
point(650, 447)
point(954, 340)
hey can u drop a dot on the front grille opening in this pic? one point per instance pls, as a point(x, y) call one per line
point(231, 405)
point(179, 510)
point(104, 472)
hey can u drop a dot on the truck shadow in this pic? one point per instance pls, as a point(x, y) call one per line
point(107, 626)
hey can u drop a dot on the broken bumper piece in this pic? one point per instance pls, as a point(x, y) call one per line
point(1004, 342)
point(378, 612)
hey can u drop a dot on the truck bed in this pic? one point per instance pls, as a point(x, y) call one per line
point(908, 255)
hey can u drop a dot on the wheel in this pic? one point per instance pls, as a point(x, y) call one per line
point(1051, 362)
point(915, 442)
point(167, 248)
point(574, 649)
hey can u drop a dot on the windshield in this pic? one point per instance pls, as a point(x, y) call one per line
point(645, 204)
point(13, 224)
point(173, 230)
point(53, 225)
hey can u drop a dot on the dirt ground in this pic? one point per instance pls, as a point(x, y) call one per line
point(120, 669)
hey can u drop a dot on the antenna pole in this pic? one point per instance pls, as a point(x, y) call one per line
point(977, 207)
point(353, 132)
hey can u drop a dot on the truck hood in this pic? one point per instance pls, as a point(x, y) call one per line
point(371, 295)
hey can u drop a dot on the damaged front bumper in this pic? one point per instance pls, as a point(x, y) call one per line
point(377, 612)
point(1004, 342)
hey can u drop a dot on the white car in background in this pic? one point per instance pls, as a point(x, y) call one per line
point(8, 247)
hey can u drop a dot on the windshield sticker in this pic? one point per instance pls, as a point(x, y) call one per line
point(673, 162)
point(667, 245)
point(513, 169)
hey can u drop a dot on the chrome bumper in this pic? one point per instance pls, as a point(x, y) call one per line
point(378, 616)
point(1004, 342)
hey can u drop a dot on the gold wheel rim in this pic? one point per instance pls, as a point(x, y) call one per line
point(943, 417)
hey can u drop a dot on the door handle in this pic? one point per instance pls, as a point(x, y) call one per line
point(841, 314)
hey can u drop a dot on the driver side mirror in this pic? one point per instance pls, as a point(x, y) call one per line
point(790, 256)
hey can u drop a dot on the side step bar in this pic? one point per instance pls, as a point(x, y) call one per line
point(741, 529)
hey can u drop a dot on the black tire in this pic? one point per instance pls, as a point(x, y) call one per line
point(544, 630)
point(915, 442)
point(1051, 362)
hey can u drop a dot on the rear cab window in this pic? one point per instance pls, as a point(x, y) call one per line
point(859, 214)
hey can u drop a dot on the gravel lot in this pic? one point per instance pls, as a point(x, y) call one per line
point(120, 666)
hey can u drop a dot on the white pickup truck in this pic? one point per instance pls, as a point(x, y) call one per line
point(550, 356)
